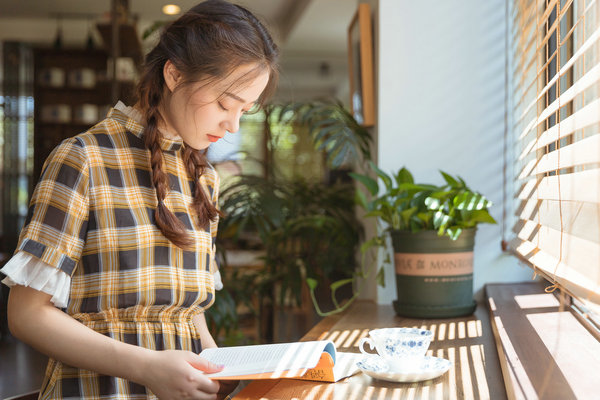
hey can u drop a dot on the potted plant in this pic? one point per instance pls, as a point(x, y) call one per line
point(432, 228)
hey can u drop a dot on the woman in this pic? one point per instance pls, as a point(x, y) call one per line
point(121, 227)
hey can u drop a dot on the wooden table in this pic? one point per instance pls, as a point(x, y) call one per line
point(467, 341)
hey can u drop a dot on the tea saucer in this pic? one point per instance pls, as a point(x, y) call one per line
point(376, 367)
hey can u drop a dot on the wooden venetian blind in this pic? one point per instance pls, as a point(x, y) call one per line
point(556, 115)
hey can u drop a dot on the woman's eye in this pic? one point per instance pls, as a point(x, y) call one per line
point(221, 106)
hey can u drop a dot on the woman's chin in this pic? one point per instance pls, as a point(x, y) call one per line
point(199, 145)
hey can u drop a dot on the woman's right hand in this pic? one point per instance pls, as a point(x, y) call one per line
point(177, 374)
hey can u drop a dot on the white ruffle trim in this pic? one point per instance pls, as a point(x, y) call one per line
point(130, 112)
point(218, 280)
point(27, 270)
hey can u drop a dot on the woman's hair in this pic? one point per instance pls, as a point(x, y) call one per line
point(205, 44)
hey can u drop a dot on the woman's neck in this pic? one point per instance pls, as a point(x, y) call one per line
point(163, 127)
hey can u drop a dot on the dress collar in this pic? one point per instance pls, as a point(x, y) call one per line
point(131, 120)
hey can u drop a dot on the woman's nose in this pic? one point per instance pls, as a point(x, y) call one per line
point(232, 124)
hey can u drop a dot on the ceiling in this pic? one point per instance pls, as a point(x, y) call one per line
point(299, 25)
point(310, 33)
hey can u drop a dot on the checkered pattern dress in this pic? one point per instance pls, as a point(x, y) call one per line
point(92, 216)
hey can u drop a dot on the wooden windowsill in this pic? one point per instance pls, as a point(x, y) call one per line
point(545, 352)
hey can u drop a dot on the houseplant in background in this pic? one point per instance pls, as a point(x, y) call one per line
point(432, 228)
point(307, 228)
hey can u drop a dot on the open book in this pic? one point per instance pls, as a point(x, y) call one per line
point(316, 360)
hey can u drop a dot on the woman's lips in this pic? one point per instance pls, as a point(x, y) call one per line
point(213, 138)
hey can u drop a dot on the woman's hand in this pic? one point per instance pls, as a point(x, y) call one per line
point(176, 374)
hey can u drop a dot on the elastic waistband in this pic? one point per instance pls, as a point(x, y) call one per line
point(141, 314)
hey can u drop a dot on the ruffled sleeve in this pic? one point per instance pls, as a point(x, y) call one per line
point(27, 270)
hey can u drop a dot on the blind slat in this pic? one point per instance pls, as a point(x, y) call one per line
point(587, 116)
point(586, 151)
point(584, 47)
point(580, 285)
point(571, 187)
point(575, 251)
point(582, 84)
point(579, 219)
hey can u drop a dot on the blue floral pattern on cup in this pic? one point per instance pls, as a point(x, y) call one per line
point(400, 342)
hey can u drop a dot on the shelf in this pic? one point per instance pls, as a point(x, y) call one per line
point(48, 134)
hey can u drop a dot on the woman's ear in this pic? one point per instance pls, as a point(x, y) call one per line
point(171, 75)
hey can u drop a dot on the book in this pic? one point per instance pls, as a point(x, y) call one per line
point(314, 360)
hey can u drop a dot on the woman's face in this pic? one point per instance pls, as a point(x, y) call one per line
point(201, 113)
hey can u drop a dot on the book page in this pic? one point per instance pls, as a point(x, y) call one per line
point(346, 365)
point(278, 359)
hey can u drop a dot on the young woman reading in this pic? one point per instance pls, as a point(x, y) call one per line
point(116, 262)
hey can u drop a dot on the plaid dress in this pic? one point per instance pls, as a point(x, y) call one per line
point(92, 216)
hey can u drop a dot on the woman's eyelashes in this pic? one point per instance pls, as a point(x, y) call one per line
point(222, 107)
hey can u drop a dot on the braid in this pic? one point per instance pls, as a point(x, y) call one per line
point(195, 162)
point(167, 222)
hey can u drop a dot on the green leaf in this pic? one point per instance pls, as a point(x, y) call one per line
point(312, 283)
point(426, 218)
point(335, 285)
point(407, 214)
point(482, 216)
point(440, 220)
point(370, 184)
point(454, 232)
point(395, 221)
point(471, 201)
point(384, 177)
point(380, 277)
point(323, 132)
point(360, 199)
point(336, 160)
point(433, 203)
point(414, 188)
point(374, 241)
point(404, 176)
point(450, 180)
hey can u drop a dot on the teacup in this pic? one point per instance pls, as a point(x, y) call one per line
point(402, 348)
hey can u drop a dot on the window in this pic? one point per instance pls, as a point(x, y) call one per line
point(263, 146)
point(556, 122)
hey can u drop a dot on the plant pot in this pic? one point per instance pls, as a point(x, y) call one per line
point(434, 274)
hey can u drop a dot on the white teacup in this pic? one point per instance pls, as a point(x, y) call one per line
point(402, 348)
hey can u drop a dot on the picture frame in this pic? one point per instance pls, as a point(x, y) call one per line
point(360, 66)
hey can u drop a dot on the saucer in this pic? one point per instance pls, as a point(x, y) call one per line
point(376, 367)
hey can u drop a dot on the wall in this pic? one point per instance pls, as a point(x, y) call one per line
point(441, 106)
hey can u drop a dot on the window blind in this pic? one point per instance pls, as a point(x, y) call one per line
point(555, 69)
